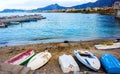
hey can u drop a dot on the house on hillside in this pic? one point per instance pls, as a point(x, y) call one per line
point(116, 6)
point(70, 10)
point(96, 8)
point(88, 8)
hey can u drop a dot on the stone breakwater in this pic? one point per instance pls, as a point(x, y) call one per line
point(18, 19)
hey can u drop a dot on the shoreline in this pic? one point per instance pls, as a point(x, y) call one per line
point(57, 49)
point(56, 40)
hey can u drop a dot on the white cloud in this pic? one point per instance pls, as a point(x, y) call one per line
point(79, 1)
point(31, 4)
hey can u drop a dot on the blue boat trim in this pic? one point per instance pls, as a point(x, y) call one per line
point(87, 62)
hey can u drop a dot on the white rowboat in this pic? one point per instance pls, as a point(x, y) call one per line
point(114, 46)
point(88, 59)
point(68, 63)
point(39, 60)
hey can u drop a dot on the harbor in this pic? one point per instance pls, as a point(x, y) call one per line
point(8, 20)
point(60, 37)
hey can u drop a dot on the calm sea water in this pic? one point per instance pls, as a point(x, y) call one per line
point(59, 27)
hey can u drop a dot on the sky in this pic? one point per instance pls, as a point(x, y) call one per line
point(33, 4)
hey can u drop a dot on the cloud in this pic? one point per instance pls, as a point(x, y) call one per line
point(80, 1)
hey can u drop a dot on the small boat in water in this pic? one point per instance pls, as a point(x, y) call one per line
point(39, 60)
point(21, 58)
point(88, 59)
point(14, 23)
point(110, 63)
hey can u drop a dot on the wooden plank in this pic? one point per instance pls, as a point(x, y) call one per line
point(15, 69)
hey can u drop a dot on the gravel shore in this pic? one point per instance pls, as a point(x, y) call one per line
point(57, 49)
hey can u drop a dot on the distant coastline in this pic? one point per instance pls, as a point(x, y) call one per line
point(107, 10)
point(104, 7)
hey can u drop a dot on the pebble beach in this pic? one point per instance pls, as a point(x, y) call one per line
point(57, 49)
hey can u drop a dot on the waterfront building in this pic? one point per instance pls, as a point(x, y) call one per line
point(70, 9)
point(96, 8)
point(116, 6)
point(88, 8)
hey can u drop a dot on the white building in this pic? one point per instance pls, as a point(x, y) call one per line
point(116, 6)
point(88, 8)
point(96, 8)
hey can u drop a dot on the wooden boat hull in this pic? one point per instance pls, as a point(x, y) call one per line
point(91, 62)
point(21, 58)
point(39, 60)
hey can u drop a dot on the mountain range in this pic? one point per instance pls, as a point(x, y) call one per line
point(98, 3)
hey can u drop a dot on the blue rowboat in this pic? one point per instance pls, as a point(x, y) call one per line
point(110, 63)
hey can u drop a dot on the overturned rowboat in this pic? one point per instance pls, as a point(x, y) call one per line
point(110, 63)
point(68, 63)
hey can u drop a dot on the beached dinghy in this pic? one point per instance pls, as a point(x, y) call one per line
point(105, 46)
point(88, 59)
point(68, 63)
point(21, 58)
point(39, 60)
point(110, 63)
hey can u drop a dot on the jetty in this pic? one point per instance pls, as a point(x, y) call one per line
point(19, 19)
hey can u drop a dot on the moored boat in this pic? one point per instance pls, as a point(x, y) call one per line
point(88, 59)
point(39, 60)
point(14, 23)
point(21, 58)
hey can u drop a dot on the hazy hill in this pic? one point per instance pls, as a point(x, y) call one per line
point(98, 3)
point(13, 10)
point(52, 7)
